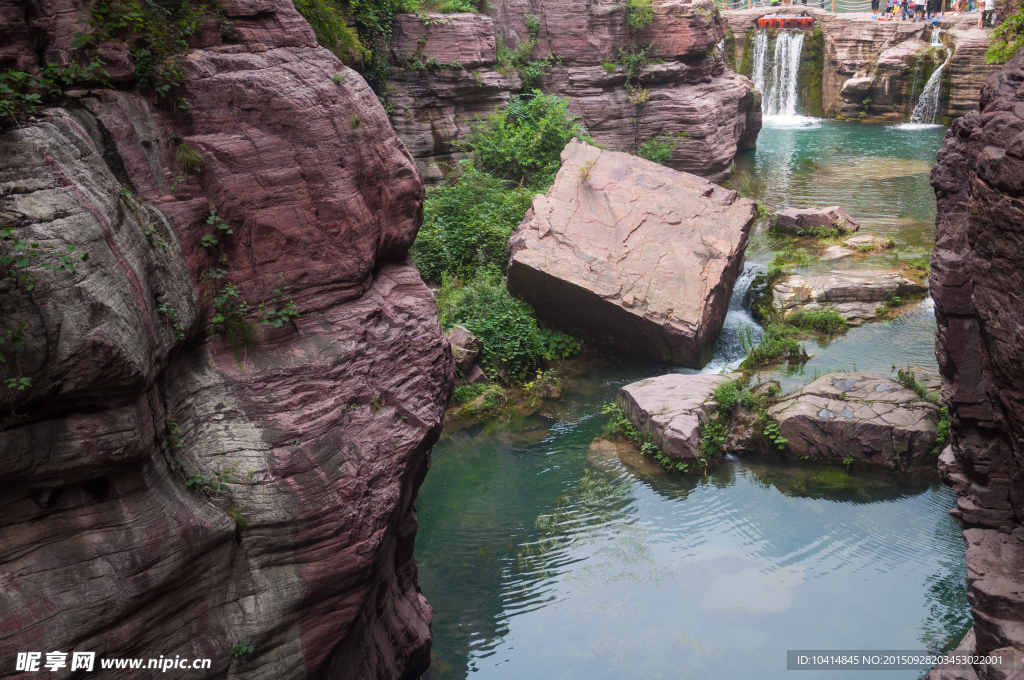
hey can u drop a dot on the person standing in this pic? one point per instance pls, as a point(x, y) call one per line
point(874, 8)
point(988, 13)
point(919, 10)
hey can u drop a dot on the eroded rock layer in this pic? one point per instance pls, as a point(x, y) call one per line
point(977, 283)
point(446, 74)
point(168, 493)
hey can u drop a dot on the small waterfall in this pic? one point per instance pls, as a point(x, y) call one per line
point(936, 33)
point(927, 108)
point(777, 75)
point(728, 350)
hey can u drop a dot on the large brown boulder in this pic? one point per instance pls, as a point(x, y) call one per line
point(864, 416)
point(114, 537)
point(632, 254)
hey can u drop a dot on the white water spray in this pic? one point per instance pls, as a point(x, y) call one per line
point(777, 75)
point(927, 108)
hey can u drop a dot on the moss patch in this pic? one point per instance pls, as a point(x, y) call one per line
point(812, 68)
point(730, 50)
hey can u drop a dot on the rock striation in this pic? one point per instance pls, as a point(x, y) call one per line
point(855, 294)
point(670, 409)
point(632, 254)
point(317, 432)
point(977, 283)
point(447, 72)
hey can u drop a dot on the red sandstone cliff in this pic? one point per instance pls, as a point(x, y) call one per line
point(325, 424)
point(978, 285)
point(692, 91)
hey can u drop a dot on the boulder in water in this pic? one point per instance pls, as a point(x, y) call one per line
point(670, 410)
point(801, 221)
point(863, 416)
point(855, 294)
point(632, 254)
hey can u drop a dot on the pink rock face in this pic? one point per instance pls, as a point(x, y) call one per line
point(977, 282)
point(670, 409)
point(863, 416)
point(447, 38)
point(632, 254)
point(319, 430)
point(712, 112)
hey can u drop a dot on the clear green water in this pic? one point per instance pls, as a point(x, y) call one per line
point(545, 559)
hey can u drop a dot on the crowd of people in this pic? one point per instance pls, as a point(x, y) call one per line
point(927, 10)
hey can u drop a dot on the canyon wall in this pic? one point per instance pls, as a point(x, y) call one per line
point(447, 72)
point(164, 492)
point(978, 287)
point(874, 70)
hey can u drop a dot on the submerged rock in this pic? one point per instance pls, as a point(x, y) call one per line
point(868, 243)
point(854, 294)
point(632, 254)
point(863, 416)
point(670, 410)
point(802, 221)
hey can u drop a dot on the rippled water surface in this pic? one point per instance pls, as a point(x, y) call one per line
point(546, 557)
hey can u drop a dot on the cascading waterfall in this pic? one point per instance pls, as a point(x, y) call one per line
point(927, 108)
point(777, 75)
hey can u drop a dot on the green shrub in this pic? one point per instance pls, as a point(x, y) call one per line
point(660, 148)
point(327, 19)
point(507, 327)
point(825, 320)
point(22, 94)
point(728, 395)
point(1007, 39)
point(467, 222)
point(942, 435)
point(790, 255)
point(189, 159)
point(524, 141)
point(778, 343)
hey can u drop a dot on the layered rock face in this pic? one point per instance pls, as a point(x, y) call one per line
point(875, 70)
point(692, 92)
point(855, 294)
point(632, 254)
point(167, 493)
point(977, 283)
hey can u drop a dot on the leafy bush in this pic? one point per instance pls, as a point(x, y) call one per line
point(22, 94)
point(1007, 39)
point(468, 396)
point(660, 148)
point(790, 255)
point(826, 320)
point(778, 343)
point(942, 435)
point(467, 222)
point(507, 327)
point(728, 395)
point(329, 24)
point(524, 142)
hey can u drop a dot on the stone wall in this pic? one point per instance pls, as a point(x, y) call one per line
point(977, 284)
point(118, 536)
point(692, 91)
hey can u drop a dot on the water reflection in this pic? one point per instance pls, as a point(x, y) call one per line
point(547, 555)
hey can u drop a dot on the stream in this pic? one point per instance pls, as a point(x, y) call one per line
point(544, 557)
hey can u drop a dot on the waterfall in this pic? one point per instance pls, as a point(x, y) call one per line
point(777, 75)
point(927, 108)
